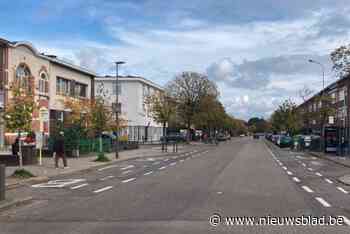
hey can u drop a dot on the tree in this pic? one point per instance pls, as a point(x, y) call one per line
point(162, 107)
point(188, 90)
point(256, 124)
point(341, 61)
point(286, 118)
point(18, 115)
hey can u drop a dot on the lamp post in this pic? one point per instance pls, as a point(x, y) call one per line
point(323, 81)
point(117, 106)
point(322, 66)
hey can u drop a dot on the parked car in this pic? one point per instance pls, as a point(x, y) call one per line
point(174, 136)
point(285, 141)
point(222, 137)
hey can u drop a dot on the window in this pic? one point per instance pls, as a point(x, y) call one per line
point(43, 83)
point(80, 89)
point(62, 86)
point(341, 95)
point(23, 76)
point(333, 98)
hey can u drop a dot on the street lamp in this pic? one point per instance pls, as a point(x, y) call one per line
point(323, 75)
point(322, 66)
point(117, 106)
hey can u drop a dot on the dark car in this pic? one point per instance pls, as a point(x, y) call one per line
point(285, 141)
point(177, 137)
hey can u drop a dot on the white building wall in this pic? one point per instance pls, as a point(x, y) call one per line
point(132, 100)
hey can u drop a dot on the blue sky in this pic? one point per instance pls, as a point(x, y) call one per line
point(256, 51)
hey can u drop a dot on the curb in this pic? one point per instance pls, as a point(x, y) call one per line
point(8, 204)
point(328, 159)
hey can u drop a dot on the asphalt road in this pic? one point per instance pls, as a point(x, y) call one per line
point(240, 178)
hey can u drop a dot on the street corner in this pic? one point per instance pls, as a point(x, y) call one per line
point(14, 202)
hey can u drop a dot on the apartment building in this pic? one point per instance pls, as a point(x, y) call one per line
point(51, 78)
point(337, 126)
point(133, 91)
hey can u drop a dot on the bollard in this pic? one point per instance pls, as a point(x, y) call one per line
point(2, 182)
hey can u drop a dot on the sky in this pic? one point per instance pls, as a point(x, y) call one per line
point(256, 51)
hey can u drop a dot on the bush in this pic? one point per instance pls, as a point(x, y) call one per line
point(22, 174)
point(101, 158)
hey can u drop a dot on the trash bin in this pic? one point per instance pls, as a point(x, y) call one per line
point(29, 155)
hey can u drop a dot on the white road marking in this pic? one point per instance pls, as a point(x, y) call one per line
point(107, 177)
point(323, 202)
point(318, 174)
point(103, 189)
point(173, 164)
point(127, 172)
point(79, 186)
point(289, 173)
point(285, 168)
point(128, 180)
point(346, 220)
point(127, 167)
point(310, 169)
point(165, 160)
point(148, 173)
point(342, 190)
point(307, 189)
point(296, 179)
point(182, 160)
point(58, 183)
point(328, 181)
point(162, 168)
point(108, 167)
point(156, 163)
point(304, 165)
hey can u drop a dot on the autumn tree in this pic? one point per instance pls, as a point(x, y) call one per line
point(188, 90)
point(18, 114)
point(162, 107)
point(286, 118)
point(341, 60)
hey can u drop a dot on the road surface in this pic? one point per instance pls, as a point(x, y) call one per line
point(179, 194)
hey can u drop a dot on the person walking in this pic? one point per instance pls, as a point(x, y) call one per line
point(15, 147)
point(58, 149)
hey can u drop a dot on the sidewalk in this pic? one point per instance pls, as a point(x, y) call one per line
point(343, 161)
point(47, 170)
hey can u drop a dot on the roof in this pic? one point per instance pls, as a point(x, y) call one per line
point(327, 88)
point(51, 58)
point(129, 78)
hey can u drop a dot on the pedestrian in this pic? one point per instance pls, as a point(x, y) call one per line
point(15, 147)
point(58, 149)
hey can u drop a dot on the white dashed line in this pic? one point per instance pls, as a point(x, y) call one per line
point(165, 160)
point(310, 169)
point(173, 164)
point(148, 173)
point(318, 174)
point(342, 190)
point(128, 180)
point(296, 179)
point(162, 168)
point(289, 173)
point(285, 168)
point(182, 160)
point(79, 186)
point(107, 177)
point(328, 181)
point(304, 165)
point(156, 163)
point(127, 167)
point(126, 172)
point(103, 189)
point(105, 168)
point(346, 220)
point(323, 202)
point(307, 189)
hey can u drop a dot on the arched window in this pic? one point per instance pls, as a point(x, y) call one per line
point(23, 75)
point(43, 83)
